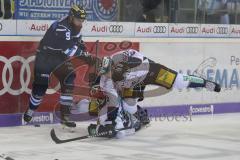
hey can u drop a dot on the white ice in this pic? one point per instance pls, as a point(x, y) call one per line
point(205, 137)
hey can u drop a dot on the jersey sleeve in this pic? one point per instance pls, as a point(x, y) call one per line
point(61, 38)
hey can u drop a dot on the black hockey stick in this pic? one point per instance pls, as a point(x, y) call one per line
point(59, 141)
point(6, 157)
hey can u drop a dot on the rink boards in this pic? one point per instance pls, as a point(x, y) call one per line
point(216, 59)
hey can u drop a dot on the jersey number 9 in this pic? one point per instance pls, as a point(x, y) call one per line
point(68, 36)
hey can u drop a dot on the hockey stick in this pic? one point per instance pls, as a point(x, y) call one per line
point(96, 64)
point(59, 141)
point(5, 157)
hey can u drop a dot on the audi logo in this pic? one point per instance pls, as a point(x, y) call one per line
point(1, 26)
point(222, 30)
point(116, 28)
point(25, 76)
point(192, 30)
point(159, 29)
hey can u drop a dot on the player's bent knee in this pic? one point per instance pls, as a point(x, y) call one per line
point(130, 105)
point(180, 82)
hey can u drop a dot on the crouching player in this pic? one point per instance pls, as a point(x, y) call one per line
point(134, 120)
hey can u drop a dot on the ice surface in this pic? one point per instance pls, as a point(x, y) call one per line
point(205, 137)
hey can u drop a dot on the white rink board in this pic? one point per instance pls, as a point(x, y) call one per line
point(124, 29)
point(189, 55)
point(184, 54)
point(8, 27)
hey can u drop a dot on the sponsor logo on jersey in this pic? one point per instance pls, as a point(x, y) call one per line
point(165, 78)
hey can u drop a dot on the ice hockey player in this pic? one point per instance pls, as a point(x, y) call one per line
point(129, 68)
point(61, 41)
point(95, 107)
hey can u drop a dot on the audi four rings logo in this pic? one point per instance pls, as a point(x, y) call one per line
point(159, 29)
point(25, 76)
point(192, 30)
point(222, 30)
point(116, 28)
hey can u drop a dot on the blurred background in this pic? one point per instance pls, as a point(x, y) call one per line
point(161, 11)
point(181, 11)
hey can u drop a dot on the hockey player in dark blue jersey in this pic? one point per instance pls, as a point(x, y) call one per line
point(61, 41)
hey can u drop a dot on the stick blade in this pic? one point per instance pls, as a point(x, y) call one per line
point(54, 137)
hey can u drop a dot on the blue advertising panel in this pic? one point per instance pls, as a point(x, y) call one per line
point(98, 10)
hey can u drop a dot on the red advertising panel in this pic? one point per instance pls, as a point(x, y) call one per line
point(16, 68)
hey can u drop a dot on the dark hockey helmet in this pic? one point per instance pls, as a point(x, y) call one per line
point(78, 12)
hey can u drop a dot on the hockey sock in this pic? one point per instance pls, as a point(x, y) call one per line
point(194, 82)
point(188, 81)
point(38, 91)
point(34, 102)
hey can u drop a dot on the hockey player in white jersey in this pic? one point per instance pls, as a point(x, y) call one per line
point(95, 107)
point(124, 71)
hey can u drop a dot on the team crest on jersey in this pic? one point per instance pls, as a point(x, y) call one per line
point(105, 9)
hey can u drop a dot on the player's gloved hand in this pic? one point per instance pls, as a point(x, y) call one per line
point(86, 54)
point(81, 52)
point(81, 45)
point(101, 130)
point(95, 90)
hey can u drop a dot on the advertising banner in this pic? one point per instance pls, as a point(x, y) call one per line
point(16, 69)
point(8, 27)
point(97, 10)
point(215, 30)
point(33, 27)
point(125, 29)
point(117, 29)
point(214, 60)
point(184, 30)
point(151, 30)
point(234, 31)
